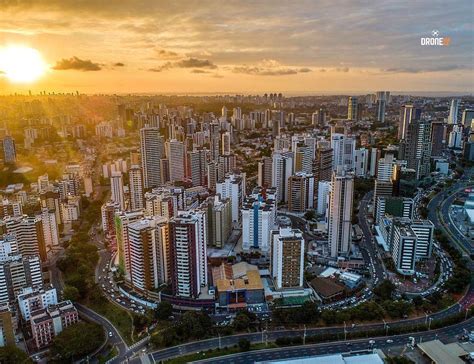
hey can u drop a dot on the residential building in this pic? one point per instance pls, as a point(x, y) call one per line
point(287, 264)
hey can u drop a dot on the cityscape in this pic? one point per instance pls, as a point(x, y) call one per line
point(176, 187)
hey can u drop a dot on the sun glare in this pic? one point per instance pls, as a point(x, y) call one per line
point(21, 64)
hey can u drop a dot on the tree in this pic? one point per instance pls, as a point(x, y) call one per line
point(70, 293)
point(10, 354)
point(309, 215)
point(244, 345)
point(164, 310)
point(76, 341)
point(241, 322)
point(384, 290)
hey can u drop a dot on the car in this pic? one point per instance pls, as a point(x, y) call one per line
point(389, 341)
point(371, 342)
point(111, 334)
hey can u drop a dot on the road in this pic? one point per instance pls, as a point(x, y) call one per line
point(444, 334)
point(258, 337)
point(438, 213)
point(367, 245)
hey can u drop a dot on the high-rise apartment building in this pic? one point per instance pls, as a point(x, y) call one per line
point(416, 148)
point(339, 213)
point(264, 178)
point(233, 187)
point(29, 235)
point(188, 236)
point(152, 151)
point(116, 189)
point(258, 219)
point(301, 192)
point(136, 188)
point(282, 169)
point(122, 220)
point(454, 111)
point(287, 264)
point(352, 108)
point(175, 152)
point(197, 167)
point(408, 113)
point(149, 252)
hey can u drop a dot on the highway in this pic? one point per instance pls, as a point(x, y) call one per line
point(444, 334)
point(438, 213)
point(367, 245)
point(258, 337)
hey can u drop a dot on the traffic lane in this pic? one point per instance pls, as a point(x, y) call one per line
point(339, 347)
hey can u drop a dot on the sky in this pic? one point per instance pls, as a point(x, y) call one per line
point(318, 46)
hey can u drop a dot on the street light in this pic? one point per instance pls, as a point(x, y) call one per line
point(429, 323)
point(304, 335)
point(345, 332)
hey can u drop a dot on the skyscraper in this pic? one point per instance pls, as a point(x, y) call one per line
point(352, 108)
point(438, 138)
point(382, 100)
point(301, 192)
point(136, 188)
point(188, 236)
point(454, 111)
point(287, 264)
point(149, 252)
point(175, 153)
point(233, 187)
point(343, 147)
point(197, 167)
point(226, 148)
point(407, 114)
point(282, 169)
point(152, 151)
point(116, 188)
point(264, 178)
point(416, 148)
point(258, 219)
point(340, 213)
point(29, 235)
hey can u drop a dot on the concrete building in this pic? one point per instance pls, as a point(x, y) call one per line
point(361, 162)
point(282, 169)
point(35, 298)
point(339, 214)
point(352, 108)
point(49, 322)
point(149, 253)
point(188, 254)
point(287, 264)
point(29, 235)
point(152, 151)
point(233, 187)
point(324, 189)
point(136, 188)
point(264, 178)
point(416, 148)
point(301, 192)
point(219, 214)
point(408, 113)
point(122, 220)
point(258, 219)
point(176, 152)
point(116, 189)
point(197, 167)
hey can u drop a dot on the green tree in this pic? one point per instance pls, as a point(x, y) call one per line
point(309, 215)
point(70, 293)
point(384, 290)
point(76, 341)
point(10, 354)
point(164, 310)
point(244, 345)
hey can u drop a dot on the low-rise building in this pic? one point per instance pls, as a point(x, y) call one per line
point(48, 322)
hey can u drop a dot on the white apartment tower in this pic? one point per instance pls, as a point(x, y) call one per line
point(340, 213)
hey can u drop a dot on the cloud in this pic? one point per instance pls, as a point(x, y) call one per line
point(167, 55)
point(185, 63)
point(343, 69)
point(440, 68)
point(269, 67)
point(199, 71)
point(75, 63)
point(119, 64)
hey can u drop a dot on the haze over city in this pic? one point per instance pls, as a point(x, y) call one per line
point(218, 182)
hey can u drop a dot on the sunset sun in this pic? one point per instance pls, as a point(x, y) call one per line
point(21, 64)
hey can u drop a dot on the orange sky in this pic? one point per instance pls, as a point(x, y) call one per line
point(214, 46)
